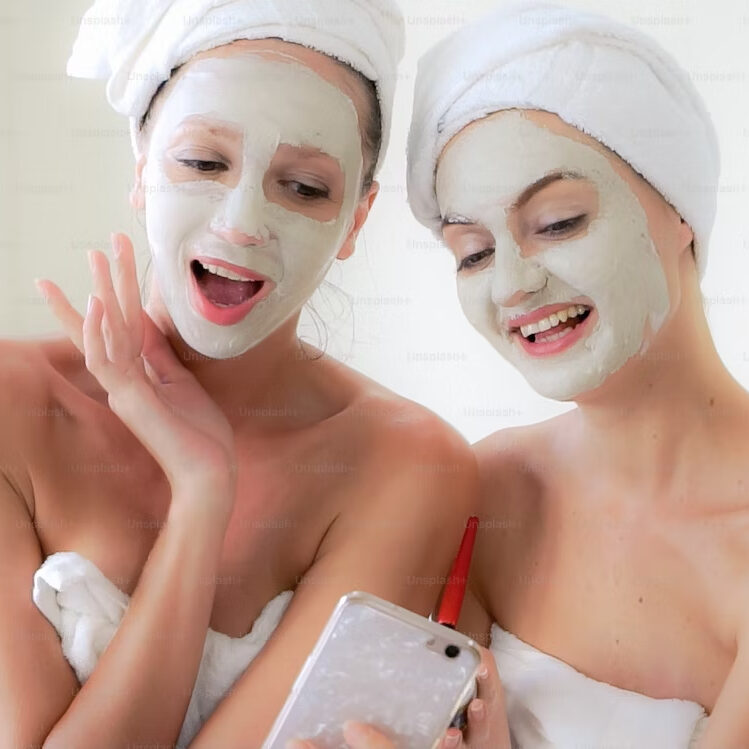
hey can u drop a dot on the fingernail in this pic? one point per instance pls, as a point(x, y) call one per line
point(353, 729)
point(90, 254)
point(90, 303)
point(115, 240)
point(483, 672)
point(39, 287)
point(477, 709)
point(452, 738)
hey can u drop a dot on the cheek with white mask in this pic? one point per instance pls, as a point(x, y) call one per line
point(573, 313)
point(241, 291)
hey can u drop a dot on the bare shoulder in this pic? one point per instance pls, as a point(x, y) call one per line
point(402, 431)
point(515, 467)
point(412, 465)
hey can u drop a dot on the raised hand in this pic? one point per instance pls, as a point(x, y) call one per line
point(155, 396)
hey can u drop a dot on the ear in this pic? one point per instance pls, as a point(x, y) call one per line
point(360, 216)
point(686, 237)
point(137, 197)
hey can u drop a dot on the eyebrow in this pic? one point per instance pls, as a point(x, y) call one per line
point(200, 122)
point(522, 199)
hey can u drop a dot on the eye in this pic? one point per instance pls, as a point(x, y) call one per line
point(469, 262)
point(203, 166)
point(562, 227)
point(304, 191)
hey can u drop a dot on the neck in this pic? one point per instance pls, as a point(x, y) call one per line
point(262, 376)
point(665, 403)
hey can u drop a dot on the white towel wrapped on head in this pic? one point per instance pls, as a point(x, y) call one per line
point(135, 44)
point(607, 79)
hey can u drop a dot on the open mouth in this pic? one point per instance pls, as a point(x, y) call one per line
point(556, 332)
point(222, 295)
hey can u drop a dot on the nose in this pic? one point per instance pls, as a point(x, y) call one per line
point(515, 276)
point(242, 221)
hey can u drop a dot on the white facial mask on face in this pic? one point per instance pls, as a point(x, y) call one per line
point(270, 103)
point(614, 264)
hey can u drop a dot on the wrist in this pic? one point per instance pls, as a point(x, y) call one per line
point(203, 499)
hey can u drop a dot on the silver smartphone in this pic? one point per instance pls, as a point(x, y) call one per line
point(379, 663)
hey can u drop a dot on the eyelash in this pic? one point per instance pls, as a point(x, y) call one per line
point(206, 167)
point(314, 193)
point(567, 224)
point(199, 166)
point(470, 261)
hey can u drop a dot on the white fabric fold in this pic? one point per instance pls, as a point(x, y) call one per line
point(607, 79)
point(551, 705)
point(85, 607)
point(135, 44)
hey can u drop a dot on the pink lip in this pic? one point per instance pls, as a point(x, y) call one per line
point(225, 315)
point(246, 273)
point(539, 314)
point(561, 344)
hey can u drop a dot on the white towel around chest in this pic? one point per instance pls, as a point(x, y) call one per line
point(86, 608)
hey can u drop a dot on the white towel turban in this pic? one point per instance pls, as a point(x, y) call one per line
point(134, 44)
point(605, 78)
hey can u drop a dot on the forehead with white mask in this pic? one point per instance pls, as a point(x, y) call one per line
point(253, 169)
point(556, 265)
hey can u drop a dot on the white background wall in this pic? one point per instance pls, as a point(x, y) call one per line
point(66, 169)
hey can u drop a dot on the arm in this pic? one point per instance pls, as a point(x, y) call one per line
point(36, 683)
point(141, 686)
point(394, 539)
point(728, 725)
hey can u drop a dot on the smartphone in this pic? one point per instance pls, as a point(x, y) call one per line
point(379, 663)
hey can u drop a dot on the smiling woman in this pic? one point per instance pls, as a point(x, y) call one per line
point(572, 168)
point(272, 198)
point(174, 545)
point(580, 247)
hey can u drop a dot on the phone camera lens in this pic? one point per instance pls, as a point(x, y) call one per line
point(452, 651)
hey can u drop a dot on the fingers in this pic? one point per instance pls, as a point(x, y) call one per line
point(126, 285)
point(488, 681)
point(453, 739)
point(164, 364)
point(357, 736)
point(487, 717)
point(116, 334)
point(97, 361)
point(63, 310)
point(361, 736)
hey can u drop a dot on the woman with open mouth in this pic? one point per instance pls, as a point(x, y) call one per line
point(212, 486)
point(571, 167)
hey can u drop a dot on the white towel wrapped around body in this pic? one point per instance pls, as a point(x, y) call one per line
point(609, 80)
point(85, 607)
point(135, 44)
point(551, 705)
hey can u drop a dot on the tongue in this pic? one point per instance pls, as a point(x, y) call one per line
point(226, 292)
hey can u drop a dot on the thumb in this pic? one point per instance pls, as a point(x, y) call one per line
point(159, 354)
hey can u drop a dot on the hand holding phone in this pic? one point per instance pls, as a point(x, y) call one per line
point(380, 664)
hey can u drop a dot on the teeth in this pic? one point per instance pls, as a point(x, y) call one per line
point(223, 272)
point(557, 336)
point(541, 326)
